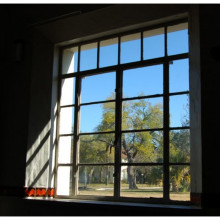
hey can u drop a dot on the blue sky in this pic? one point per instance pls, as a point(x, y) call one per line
point(147, 80)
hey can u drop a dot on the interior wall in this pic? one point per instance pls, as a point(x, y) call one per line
point(37, 160)
point(210, 67)
point(26, 87)
point(15, 78)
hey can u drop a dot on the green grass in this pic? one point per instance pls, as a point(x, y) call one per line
point(143, 191)
point(123, 185)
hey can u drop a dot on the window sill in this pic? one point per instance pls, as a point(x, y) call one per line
point(111, 203)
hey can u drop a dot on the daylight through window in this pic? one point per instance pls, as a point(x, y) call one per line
point(123, 128)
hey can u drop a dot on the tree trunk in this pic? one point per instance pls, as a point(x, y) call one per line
point(107, 174)
point(132, 178)
point(174, 185)
point(131, 170)
point(85, 178)
point(100, 177)
point(90, 175)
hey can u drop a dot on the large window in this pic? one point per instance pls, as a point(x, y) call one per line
point(123, 128)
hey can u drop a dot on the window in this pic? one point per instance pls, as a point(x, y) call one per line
point(124, 125)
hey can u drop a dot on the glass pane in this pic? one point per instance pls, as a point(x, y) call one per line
point(142, 147)
point(131, 48)
point(64, 180)
point(143, 81)
point(142, 114)
point(97, 148)
point(70, 60)
point(177, 39)
point(142, 181)
point(179, 110)
point(180, 183)
point(180, 146)
point(153, 43)
point(98, 117)
point(66, 120)
point(88, 57)
point(179, 75)
point(67, 91)
point(98, 88)
point(108, 52)
point(96, 180)
point(65, 150)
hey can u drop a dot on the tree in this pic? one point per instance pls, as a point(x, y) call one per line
point(180, 152)
point(95, 149)
point(141, 146)
point(138, 146)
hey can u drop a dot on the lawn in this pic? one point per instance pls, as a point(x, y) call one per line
point(143, 191)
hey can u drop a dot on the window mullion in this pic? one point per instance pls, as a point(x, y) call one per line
point(76, 131)
point(119, 50)
point(118, 121)
point(142, 46)
point(98, 52)
point(166, 131)
point(166, 125)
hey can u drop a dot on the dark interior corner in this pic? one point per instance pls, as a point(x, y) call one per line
point(20, 83)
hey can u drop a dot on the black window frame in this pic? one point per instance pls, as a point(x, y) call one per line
point(119, 68)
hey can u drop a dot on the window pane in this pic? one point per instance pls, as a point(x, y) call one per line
point(180, 146)
point(142, 181)
point(88, 57)
point(96, 180)
point(177, 39)
point(108, 52)
point(143, 81)
point(66, 120)
point(70, 60)
point(67, 91)
point(179, 75)
point(97, 148)
point(64, 180)
point(142, 114)
point(179, 110)
point(98, 117)
point(98, 88)
point(142, 147)
point(180, 183)
point(153, 43)
point(64, 149)
point(131, 48)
